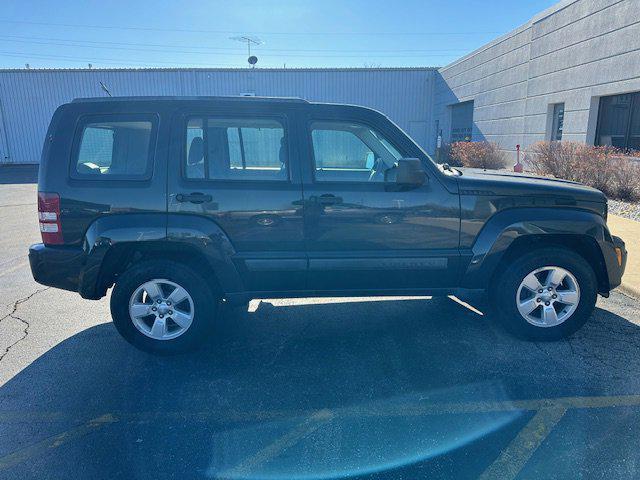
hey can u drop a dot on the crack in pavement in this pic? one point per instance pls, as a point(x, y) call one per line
point(12, 314)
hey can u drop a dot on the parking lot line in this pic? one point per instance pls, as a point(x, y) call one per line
point(42, 447)
point(548, 412)
point(412, 409)
point(290, 438)
point(515, 455)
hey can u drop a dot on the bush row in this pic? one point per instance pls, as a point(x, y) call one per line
point(606, 168)
point(485, 155)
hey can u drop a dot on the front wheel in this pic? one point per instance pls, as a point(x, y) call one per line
point(163, 307)
point(546, 294)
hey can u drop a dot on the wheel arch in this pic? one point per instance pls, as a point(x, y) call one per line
point(114, 243)
point(511, 232)
point(583, 245)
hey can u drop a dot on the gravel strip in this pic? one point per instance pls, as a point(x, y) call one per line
point(630, 210)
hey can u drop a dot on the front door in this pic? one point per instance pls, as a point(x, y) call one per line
point(360, 233)
point(236, 168)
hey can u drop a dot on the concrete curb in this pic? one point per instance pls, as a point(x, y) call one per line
point(629, 291)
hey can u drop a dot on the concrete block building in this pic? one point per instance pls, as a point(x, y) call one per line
point(570, 73)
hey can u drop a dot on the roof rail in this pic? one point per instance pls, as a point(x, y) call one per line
point(222, 98)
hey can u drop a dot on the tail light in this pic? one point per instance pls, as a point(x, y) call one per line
point(49, 216)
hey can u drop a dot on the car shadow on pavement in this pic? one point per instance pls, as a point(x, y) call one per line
point(323, 390)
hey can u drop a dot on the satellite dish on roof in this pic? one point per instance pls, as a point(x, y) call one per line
point(249, 41)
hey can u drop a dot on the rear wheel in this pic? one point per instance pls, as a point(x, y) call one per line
point(163, 307)
point(546, 294)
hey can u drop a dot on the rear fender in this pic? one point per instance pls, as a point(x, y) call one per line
point(152, 232)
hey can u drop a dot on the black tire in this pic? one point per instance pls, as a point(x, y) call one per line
point(504, 291)
point(205, 304)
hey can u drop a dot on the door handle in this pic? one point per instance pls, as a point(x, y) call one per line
point(328, 199)
point(195, 197)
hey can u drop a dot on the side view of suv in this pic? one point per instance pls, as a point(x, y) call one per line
point(181, 203)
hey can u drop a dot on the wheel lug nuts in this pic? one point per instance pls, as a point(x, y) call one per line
point(554, 296)
point(154, 308)
point(162, 316)
point(169, 303)
point(546, 303)
point(159, 301)
point(538, 300)
point(170, 312)
point(540, 291)
point(549, 288)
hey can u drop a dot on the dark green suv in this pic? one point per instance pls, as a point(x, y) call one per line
point(183, 203)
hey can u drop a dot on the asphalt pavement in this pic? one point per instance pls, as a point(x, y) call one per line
point(392, 388)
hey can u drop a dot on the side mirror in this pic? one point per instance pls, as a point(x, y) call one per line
point(408, 173)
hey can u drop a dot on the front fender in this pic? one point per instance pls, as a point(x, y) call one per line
point(501, 230)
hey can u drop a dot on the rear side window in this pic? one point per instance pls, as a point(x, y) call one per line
point(235, 149)
point(115, 147)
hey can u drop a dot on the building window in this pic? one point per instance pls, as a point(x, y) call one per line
point(619, 121)
point(462, 122)
point(558, 122)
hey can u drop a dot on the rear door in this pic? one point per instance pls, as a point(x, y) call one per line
point(236, 166)
point(361, 234)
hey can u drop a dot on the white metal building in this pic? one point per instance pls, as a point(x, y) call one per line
point(29, 97)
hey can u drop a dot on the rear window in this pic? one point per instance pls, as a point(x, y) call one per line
point(235, 149)
point(115, 147)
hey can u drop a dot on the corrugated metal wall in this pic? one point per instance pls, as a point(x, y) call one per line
point(28, 98)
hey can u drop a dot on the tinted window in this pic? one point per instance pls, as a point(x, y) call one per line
point(227, 148)
point(115, 148)
point(558, 122)
point(345, 151)
point(619, 121)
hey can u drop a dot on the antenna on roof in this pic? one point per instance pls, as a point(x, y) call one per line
point(252, 59)
point(104, 87)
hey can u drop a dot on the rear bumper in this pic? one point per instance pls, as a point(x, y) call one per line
point(62, 267)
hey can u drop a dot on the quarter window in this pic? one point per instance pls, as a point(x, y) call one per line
point(235, 149)
point(350, 152)
point(115, 148)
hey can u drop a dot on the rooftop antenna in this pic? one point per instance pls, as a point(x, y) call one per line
point(252, 59)
point(104, 87)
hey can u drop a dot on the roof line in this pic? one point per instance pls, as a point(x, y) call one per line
point(203, 69)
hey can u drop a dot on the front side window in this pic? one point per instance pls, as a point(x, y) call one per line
point(115, 148)
point(235, 149)
point(350, 152)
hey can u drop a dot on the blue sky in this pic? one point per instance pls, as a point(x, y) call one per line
point(320, 33)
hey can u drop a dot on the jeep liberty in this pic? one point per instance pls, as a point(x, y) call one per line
point(183, 203)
